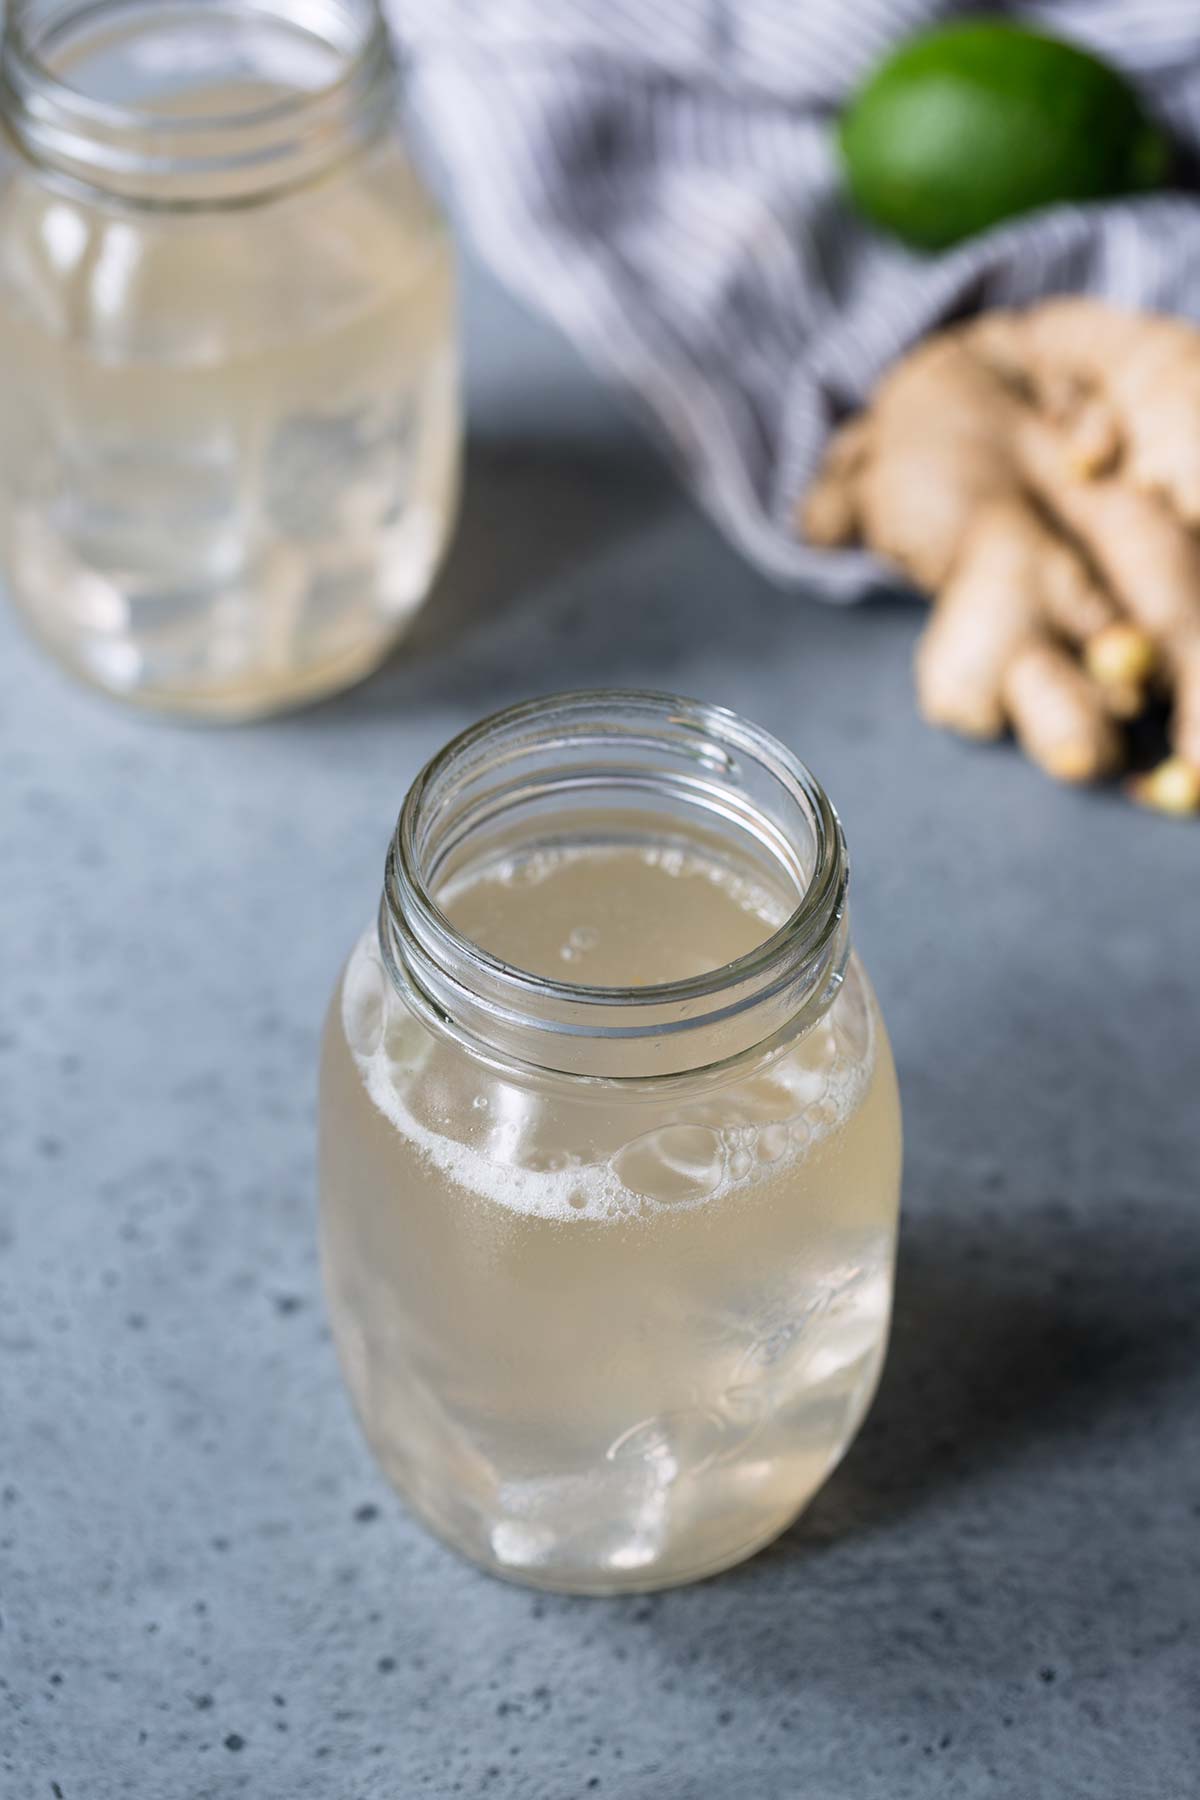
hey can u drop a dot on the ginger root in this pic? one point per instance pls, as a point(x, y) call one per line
point(1039, 474)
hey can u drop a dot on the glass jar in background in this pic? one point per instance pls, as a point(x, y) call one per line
point(229, 443)
point(610, 1146)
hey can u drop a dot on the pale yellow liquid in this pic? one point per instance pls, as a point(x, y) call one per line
point(229, 439)
point(602, 1340)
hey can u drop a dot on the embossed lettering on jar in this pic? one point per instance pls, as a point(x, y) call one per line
point(610, 1146)
point(229, 441)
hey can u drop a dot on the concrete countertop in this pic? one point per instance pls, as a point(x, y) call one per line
point(207, 1590)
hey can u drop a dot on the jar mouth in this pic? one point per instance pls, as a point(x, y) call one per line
point(653, 750)
point(195, 102)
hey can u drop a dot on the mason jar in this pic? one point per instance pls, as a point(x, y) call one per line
point(229, 442)
point(609, 1146)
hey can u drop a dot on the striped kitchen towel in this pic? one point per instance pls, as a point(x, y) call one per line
point(660, 176)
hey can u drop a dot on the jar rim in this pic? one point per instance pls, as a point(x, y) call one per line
point(791, 966)
point(135, 152)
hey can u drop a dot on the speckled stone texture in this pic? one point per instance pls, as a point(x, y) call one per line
point(206, 1588)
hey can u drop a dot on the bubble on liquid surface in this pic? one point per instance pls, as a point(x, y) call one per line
point(667, 858)
point(740, 1162)
point(759, 1100)
point(772, 1143)
point(579, 942)
point(676, 1164)
point(549, 1162)
point(539, 867)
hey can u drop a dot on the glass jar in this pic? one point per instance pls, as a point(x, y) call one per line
point(610, 1146)
point(229, 442)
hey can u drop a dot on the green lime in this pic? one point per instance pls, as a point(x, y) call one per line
point(969, 125)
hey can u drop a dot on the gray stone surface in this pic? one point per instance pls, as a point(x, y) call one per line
point(206, 1588)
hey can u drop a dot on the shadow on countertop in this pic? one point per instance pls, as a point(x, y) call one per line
point(582, 564)
point(1029, 1367)
point(532, 511)
point(1033, 1358)
point(1010, 1338)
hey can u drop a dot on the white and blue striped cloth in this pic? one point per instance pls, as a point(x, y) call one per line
point(660, 176)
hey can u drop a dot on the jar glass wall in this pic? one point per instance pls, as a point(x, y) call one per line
point(230, 440)
point(610, 1146)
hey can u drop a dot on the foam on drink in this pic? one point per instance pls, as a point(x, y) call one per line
point(635, 929)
